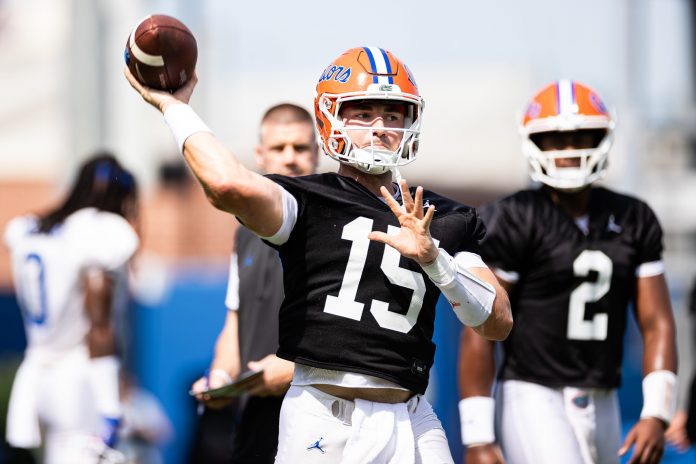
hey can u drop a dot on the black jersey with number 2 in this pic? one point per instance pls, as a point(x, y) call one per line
point(355, 305)
point(570, 301)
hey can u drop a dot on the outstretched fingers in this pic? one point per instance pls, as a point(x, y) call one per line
point(427, 219)
point(406, 196)
point(381, 237)
point(391, 202)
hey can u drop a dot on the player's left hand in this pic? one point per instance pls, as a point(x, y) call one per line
point(413, 240)
point(648, 436)
point(277, 375)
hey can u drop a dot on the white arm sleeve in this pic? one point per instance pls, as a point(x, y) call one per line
point(232, 297)
point(289, 219)
point(471, 298)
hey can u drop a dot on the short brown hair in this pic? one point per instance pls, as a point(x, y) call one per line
point(286, 113)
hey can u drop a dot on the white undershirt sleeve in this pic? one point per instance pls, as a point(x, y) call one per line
point(650, 269)
point(232, 297)
point(289, 219)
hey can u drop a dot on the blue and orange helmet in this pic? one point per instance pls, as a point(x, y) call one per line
point(366, 73)
point(567, 106)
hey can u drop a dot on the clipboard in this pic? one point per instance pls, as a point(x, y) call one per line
point(233, 389)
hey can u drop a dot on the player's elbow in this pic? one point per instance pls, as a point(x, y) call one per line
point(224, 194)
point(505, 325)
point(499, 324)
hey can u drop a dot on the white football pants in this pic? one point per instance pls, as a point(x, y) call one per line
point(316, 427)
point(54, 396)
point(543, 425)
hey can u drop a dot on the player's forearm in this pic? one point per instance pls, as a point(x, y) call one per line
point(656, 323)
point(228, 185)
point(476, 368)
point(660, 354)
point(231, 187)
point(227, 348)
point(98, 300)
point(100, 342)
point(473, 291)
point(660, 351)
point(476, 376)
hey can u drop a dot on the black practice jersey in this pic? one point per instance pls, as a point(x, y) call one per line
point(570, 301)
point(356, 305)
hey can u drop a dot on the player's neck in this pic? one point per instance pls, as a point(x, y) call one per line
point(576, 204)
point(372, 182)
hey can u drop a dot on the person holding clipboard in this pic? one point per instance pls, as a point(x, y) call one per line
point(245, 407)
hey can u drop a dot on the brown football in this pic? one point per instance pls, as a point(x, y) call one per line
point(161, 52)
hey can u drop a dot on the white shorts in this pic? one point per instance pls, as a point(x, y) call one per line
point(53, 395)
point(543, 425)
point(316, 427)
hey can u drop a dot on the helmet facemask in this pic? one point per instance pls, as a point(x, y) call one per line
point(567, 132)
point(573, 168)
point(371, 159)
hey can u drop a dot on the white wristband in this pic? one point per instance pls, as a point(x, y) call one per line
point(442, 270)
point(659, 395)
point(183, 122)
point(477, 417)
point(103, 379)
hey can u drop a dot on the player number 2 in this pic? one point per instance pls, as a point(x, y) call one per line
point(345, 305)
point(588, 292)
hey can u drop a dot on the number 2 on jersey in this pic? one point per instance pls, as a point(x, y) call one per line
point(345, 305)
point(588, 292)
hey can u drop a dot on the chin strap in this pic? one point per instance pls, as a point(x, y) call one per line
point(397, 179)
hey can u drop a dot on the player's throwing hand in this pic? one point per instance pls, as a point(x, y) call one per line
point(160, 99)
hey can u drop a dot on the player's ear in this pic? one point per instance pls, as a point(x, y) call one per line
point(315, 156)
point(258, 156)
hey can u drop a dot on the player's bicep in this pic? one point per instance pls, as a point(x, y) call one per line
point(259, 205)
point(652, 301)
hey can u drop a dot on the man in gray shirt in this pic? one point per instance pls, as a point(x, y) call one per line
point(249, 339)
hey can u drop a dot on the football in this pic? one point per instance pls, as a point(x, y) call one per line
point(161, 52)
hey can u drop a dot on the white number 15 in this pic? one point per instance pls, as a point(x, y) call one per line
point(345, 305)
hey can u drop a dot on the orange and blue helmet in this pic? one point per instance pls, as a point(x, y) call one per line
point(366, 73)
point(563, 107)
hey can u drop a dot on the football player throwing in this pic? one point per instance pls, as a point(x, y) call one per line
point(364, 260)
